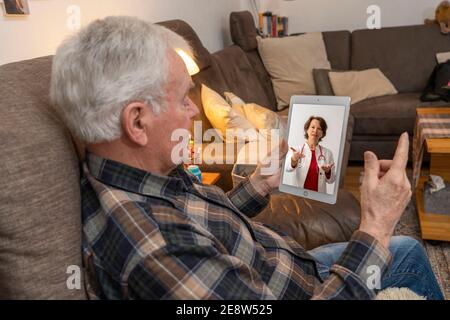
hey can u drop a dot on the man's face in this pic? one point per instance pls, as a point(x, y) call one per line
point(180, 110)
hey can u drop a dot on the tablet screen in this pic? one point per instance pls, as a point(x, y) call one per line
point(316, 139)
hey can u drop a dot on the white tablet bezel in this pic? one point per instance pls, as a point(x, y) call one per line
point(319, 100)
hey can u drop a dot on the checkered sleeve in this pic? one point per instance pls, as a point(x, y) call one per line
point(358, 271)
point(195, 273)
point(247, 199)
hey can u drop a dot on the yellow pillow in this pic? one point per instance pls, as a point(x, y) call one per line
point(361, 85)
point(224, 118)
point(259, 117)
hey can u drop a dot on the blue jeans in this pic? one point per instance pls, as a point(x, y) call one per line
point(410, 267)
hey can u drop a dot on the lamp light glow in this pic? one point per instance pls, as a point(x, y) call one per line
point(191, 66)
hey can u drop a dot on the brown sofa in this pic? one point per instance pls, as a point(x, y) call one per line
point(406, 55)
point(40, 229)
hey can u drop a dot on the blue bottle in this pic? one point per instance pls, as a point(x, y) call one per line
point(195, 170)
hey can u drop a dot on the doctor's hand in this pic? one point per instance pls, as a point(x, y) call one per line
point(19, 5)
point(385, 192)
point(327, 167)
point(268, 172)
point(296, 155)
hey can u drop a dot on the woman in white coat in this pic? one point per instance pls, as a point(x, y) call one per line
point(312, 165)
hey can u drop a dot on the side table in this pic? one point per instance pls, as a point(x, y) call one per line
point(434, 225)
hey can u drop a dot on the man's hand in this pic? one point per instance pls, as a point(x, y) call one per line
point(385, 192)
point(267, 174)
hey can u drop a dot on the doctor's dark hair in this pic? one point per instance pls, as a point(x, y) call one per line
point(323, 125)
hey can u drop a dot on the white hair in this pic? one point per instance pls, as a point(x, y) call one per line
point(104, 67)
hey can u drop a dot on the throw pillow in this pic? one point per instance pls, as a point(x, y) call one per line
point(259, 117)
point(361, 85)
point(322, 82)
point(442, 57)
point(223, 117)
point(290, 62)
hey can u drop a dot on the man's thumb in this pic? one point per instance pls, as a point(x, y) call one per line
point(371, 165)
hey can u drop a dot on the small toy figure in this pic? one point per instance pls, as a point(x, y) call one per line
point(442, 17)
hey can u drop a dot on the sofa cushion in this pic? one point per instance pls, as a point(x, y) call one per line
point(228, 122)
point(40, 214)
point(259, 116)
point(361, 85)
point(388, 115)
point(313, 223)
point(337, 43)
point(406, 55)
point(290, 62)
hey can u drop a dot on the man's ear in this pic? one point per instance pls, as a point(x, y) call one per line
point(135, 120)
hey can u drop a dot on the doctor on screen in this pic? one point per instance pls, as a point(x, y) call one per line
point(312, 164)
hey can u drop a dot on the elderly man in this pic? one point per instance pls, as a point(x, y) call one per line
point(151, 231)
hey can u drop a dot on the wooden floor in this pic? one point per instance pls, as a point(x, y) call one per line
point(351, 180)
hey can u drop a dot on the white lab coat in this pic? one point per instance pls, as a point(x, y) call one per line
point(296, 176)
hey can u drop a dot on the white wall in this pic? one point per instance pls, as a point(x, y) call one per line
point(326, 15)
point(40, 33)
point(43, 30)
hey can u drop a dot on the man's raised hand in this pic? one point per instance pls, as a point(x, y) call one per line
point(385, 192)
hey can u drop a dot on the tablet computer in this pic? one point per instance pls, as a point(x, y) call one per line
point(317, 128)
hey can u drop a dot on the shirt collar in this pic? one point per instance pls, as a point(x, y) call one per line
point(308, 148)
point(135, 180)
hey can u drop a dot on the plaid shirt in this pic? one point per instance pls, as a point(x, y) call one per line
point(147, 236)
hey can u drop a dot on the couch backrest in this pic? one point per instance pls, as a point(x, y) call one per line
point(240, 76)
point(40, 215)
point(406, 55)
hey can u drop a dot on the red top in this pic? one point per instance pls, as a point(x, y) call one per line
point(312, 178)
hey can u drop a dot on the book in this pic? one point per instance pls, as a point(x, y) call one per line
point(285, 26)
point(280, 29)
point(274, 24)
point(261, 24)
